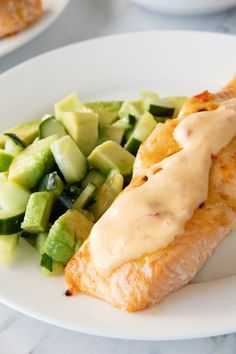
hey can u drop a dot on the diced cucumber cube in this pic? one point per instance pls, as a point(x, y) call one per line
point(38, 212)
point(14, 145)
point(51, 126)
point(143, 128)
point(33, 163)
point(13, 196)
point(69, 158)
point(10, 221)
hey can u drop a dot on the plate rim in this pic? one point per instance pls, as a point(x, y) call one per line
point(72, 327)
point(110, 36)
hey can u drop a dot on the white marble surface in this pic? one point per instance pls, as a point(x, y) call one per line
point(86, 19)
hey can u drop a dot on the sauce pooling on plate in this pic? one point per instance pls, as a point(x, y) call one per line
point(147, 218)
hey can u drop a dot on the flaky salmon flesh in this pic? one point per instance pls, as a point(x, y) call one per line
point(141, 282)
point(15, 15)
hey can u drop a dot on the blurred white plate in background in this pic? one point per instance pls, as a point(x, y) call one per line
point(52, 9)
point(187, 7)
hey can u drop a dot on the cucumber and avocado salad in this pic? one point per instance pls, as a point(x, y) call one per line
point(59, 174)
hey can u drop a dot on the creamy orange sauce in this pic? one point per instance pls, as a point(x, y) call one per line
point(147, 218)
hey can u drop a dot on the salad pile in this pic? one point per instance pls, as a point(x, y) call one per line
point(59, 174)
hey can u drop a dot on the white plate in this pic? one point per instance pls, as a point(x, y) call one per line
point(114, 68)
point(52, 9)
point(187, 7)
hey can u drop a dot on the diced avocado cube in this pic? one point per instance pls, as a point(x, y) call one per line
point(109, 156)
point(69, 158)
point(83, 128)
point(38, 212)
point(26, 131)
point(69, 104)
point(33, 163)
point(111, 132)
point(72, 227)
point(107, 110)
point(5, 160)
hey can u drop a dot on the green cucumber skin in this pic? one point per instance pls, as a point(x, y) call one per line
point(16, 139)
point(46, 262)
point(12, 225)
point(160, 111)
point(133, 145)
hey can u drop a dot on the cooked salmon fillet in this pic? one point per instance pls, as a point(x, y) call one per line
point(139, 283)
point(15, 15)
